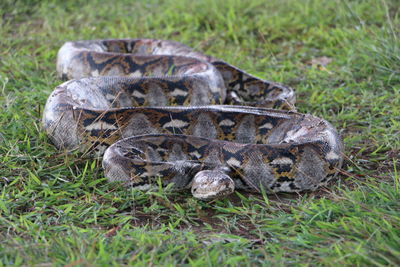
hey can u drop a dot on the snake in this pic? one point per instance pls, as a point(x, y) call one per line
point(158, 111)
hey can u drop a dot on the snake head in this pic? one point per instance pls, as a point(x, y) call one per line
point(212, 184)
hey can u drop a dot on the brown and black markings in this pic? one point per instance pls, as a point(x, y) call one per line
point(157, 105)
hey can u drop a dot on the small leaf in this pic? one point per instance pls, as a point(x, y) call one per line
point(34, 177)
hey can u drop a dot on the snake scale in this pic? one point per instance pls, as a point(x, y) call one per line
point(156, 108)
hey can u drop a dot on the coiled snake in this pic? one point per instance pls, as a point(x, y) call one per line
point(163, 110)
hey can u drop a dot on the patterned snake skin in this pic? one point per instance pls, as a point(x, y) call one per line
point(159, 109)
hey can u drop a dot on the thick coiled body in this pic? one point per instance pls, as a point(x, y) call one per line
point(167, 111)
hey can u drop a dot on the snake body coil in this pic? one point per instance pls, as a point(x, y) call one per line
point(163, 110)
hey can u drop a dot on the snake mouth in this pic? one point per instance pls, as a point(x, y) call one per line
point(212, 184)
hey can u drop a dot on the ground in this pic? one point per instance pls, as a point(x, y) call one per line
point(343, 59)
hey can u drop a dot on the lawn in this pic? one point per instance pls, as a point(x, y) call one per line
point(57, 209)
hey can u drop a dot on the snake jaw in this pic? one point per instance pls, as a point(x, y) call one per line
point(212, 184)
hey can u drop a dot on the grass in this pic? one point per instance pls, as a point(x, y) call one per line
point(57, 209)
